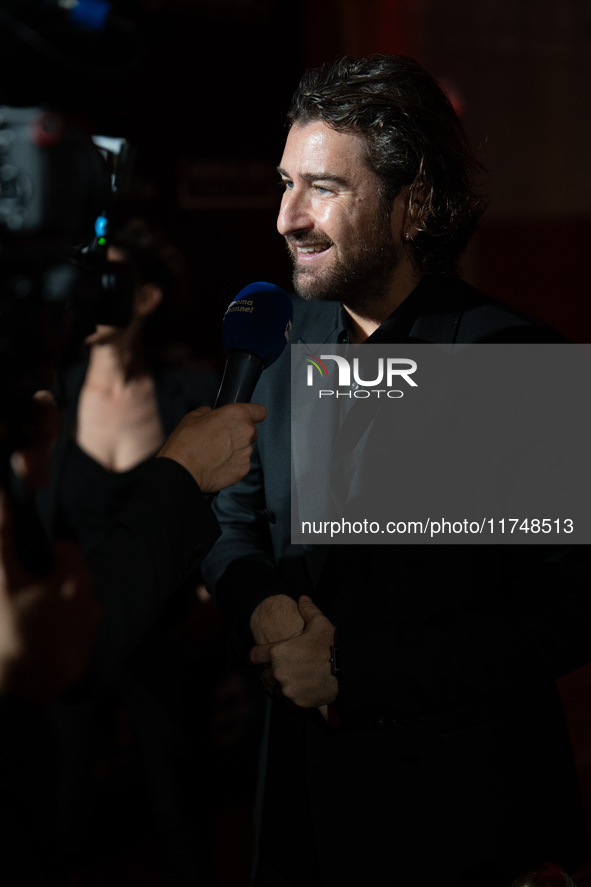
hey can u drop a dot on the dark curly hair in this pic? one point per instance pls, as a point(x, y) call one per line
point(413, 139)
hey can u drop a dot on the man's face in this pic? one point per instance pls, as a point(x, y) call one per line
point(336, 229)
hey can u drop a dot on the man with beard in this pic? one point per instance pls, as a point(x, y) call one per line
point(415, 732)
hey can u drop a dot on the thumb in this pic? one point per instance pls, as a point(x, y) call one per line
point(258, 413)
point(308, 608)
point(259, 655)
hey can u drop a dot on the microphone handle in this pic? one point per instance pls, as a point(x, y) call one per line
point(242, 372)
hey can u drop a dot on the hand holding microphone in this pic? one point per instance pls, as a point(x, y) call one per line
point(215, 446)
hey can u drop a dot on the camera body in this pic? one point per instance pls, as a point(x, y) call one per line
point(56, 180)
point(53, 179)
point(56, 183)
point(55, 281)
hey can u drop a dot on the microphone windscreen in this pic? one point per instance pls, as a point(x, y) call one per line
point(259, 320)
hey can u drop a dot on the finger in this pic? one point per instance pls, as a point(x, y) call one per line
point(31, 463)
point(44, 395)
point(260, 655)
point(308, 608)
point(258, 413)
point(246, 439)
point(198, 413)
point(246, 428)
point(245, 412)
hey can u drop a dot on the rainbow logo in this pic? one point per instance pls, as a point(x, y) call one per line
point(314, 361)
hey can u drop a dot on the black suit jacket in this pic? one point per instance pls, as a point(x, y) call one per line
point(452, 760)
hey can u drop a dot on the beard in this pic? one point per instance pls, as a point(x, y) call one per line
point(360, 276)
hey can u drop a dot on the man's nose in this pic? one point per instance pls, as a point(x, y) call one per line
point(294, 213)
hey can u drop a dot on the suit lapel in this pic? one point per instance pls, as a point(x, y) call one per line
point(320, 324)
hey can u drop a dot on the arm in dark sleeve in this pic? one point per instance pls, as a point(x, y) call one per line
point(152, 547)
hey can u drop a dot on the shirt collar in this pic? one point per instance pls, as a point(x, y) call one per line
point(396, 327)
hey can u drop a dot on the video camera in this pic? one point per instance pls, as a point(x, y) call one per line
point(58, 185)
point(56, 188)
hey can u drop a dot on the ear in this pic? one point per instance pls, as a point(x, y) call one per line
point(147, 298)
point(416, 211)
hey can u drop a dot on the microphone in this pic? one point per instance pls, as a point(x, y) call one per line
point(255, 330)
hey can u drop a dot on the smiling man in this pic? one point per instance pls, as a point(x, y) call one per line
point(416, 736)
point(345, 244)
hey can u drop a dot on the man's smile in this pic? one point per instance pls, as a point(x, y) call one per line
point(308, 250)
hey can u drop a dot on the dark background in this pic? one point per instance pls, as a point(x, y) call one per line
point(205, 107)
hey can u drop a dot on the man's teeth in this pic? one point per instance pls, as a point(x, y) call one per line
point(311, 249)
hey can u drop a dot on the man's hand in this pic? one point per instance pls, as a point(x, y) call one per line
point(300, 666)
point(277, 618)
point(215, 446)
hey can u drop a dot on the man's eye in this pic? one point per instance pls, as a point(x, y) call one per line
point(286, 184)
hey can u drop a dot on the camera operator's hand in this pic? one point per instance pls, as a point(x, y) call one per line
point(215, 446)
point(47, 625)
point(31, 463)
